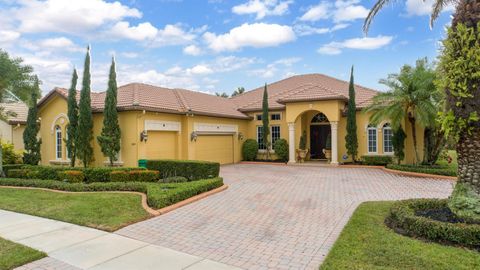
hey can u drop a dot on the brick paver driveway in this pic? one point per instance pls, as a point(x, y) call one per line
point(278, 217)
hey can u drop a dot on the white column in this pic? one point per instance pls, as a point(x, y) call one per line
point(291, 143)
point(334, 127)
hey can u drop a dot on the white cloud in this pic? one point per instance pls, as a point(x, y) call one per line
point(306, 30)
point(420, 7)
point(250, 35)
point(140, 32)
point(262, 8)
point(318, 12)
point(73, 17)
point(273, 69)
point(7, 36)
point(199, 70)
point(365, 43)
point(129, 54)
point(175, 35)
point(192, 50)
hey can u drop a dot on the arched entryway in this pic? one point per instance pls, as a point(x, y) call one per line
point(320, 132)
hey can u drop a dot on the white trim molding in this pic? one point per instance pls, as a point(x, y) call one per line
point(205, 128)
point(156, 125)
point(54, 123)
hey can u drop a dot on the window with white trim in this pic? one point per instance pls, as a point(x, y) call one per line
point(261, 145)
point(372, 139)
point(275, 134)
point(275, 116)
point(58, 142)
point(387, 138)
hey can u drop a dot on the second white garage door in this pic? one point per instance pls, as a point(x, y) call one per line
point(217, 148)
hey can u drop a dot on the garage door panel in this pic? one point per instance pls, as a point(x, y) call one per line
point(161, 145)
point(217, 148)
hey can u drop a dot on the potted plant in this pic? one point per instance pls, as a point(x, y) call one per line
point(327, 151)
point(302, 151)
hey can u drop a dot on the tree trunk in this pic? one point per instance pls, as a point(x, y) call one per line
point(414, 136)
point(468, 150)
point(433, 143)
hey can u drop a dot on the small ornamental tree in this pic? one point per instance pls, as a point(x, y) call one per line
point(30, 140)
point(398, 143)
point(265, 122)
point(72, 119)
point(351, 137)
point(109, 139)
point(85, 120)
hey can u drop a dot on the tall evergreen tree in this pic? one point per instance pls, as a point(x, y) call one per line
point(72, 119)
point(265, 121)
point(109, 139)
point(85, 120)
point(351, 137)
point(30, 140)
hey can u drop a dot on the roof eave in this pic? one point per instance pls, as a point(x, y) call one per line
point(285, 101)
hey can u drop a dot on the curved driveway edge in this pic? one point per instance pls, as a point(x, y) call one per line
point(278, 217)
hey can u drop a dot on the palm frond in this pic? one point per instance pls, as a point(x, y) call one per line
point(437, 8)
point(375, 9)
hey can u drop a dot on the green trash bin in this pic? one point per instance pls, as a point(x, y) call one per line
point(142, 163)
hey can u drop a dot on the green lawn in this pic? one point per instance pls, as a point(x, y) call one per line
point(105, 211)
point(13, 255)
point(366, 243)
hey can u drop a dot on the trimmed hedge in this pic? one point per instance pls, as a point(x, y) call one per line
point(71, 176)
point(439, 170)
point(377, 160)
point(190, 169)
point(158, 195)
point(174, 179)
point(402, 218)
point(250, 150)
point(8, 167)
point(281, 149)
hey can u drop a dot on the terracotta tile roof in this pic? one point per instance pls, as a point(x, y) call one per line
point(16, 112)
point(139, 96)
point(308, 87)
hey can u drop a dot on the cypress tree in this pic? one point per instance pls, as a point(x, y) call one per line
point(72, 119)
point(109, 139)
point(32, 143)
point(351, 137)
point(85, 120)
point(265, 121)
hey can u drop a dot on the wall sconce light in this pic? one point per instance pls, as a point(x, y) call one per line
point(193, 136)
point(143, 136)
point(240, 136)
point(189, 112)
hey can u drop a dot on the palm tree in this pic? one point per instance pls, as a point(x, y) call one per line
point(460, 69)
point(409, 97)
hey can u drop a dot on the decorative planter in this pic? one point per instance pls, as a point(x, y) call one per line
point(328, 153)
point(302, 154)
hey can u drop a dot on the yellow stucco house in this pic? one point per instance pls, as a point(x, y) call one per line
point(12, 127)
point(162, 123)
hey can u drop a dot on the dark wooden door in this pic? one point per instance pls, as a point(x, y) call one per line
point(318, 139)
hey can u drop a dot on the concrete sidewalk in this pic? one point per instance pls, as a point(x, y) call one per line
point(75, 247)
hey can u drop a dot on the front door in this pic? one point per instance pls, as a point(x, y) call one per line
point(318, 140)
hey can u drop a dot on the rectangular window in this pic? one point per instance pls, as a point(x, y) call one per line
point(387, 140)
point(261, 145)
point(275, 134)
point(258, 117)
point(372, 139)
point(275, 116)
point(58, 142)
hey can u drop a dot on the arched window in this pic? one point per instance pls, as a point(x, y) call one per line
point(320, 118)
point(387, 138)
point(58, 142)
point(372, 138)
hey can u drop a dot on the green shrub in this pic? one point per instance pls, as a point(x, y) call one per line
point(9, 154)
point(143, 175)
point(119, 176)
point(190, 169)
point(71, 176)
point(402, 218)
point(250, 150)
point(281, 149)
point(17, 173)
point(162, 195)
point(439, 170)
point(174, 179)
point(376, 160)
point(8, 167)
point(465, 202)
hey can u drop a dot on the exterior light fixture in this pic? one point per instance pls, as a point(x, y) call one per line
point(240, 136)
point(193, 136)
point(143, 136)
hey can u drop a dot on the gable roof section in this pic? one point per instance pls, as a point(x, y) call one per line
point(16, 112)
point(308, 87)
point(139, 96)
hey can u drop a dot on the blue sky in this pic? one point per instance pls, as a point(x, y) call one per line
point(216, 45)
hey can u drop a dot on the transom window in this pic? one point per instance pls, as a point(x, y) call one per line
point(387, 138)
point(372, 138)
point(259, 117)
point(275, 134)
point(275, 116)
point(58, 142)
point(319, 118)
